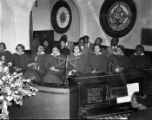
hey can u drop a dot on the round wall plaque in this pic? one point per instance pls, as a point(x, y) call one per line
point(117, 17)
point(61, 17)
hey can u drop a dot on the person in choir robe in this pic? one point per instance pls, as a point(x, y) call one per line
point(5, 55)
point(77, 62)
point(98, 41)
point(113, 46)
point(139, 59)
point(98, 60)
point(36, 68)
point(55, 67)
point(63, 47)
point(87, 43)
point(85, 50)
point(119, 62)
point(47, 46)
point(20, 59)
point(142, 102)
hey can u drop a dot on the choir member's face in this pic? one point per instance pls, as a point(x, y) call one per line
point(62, 44)
point(2, 47)
point(76, 49)
point(55, 50)
point(45, 43)
point(139, 51)
point(97, 49)
point(119, 51)
point(19, 49)
point(114, 42)
point(86, 40)
point(81, 42)
point(134, 102)
point(40, 49)
point(98, 41)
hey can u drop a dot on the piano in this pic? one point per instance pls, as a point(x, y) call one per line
point(98, 93)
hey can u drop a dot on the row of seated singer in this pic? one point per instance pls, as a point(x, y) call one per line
point(56, 67)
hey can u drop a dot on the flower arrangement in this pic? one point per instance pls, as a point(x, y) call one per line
point(13, 87)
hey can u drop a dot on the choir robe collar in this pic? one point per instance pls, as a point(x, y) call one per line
point(56, 54)
point(20, 53)
point(78, 54)
point(42, 53)
point(142, 54)
point(100, 53)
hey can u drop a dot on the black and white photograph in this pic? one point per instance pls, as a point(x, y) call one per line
point(76, 59)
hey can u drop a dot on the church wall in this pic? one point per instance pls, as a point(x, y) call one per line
point(14, 21)
point(42, 19)
point(89, 23)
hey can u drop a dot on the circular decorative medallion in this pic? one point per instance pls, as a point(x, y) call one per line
point(61, 17)
point(117, 17)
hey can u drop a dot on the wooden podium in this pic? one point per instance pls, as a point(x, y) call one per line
point(49, 103)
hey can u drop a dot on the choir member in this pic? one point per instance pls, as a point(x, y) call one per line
point(98, 41)
point(139, 59)
point(36, 68)
point(85, 50)
point(87, 43)
point(77, 62)
point(20, 59)
point(141, 102)
point(47, 46)
point(63, 47)
point(5, 55)
point(98, 60)
point(113, 46)
point(119, 62)
point(55, 67)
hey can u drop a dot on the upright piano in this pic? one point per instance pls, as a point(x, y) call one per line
point(98, 94)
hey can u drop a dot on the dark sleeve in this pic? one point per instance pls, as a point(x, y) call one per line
point(8, 56)
point(48, 62)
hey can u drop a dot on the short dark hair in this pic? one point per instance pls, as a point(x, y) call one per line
point(2, 43)
point(99, 38)
point(63, 38)
point(20, 45)
point(143, 98)
point(86, 36)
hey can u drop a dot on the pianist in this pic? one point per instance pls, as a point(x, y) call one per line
point(142, 102)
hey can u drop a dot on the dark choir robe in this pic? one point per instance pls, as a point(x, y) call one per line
point(36, 69)
point(120, 61)
point(48, 49)
point(78, 63)
point(55, 76)
point(141, 62)
point(98, 62)
point(65, 51)
point(20, 61)
point(6, 55)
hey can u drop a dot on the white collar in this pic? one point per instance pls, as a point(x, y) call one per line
point(98, 53)
point(40, 53)
point(56, 54)
point(20, 53)
point(142, 54)
point(78, 54)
